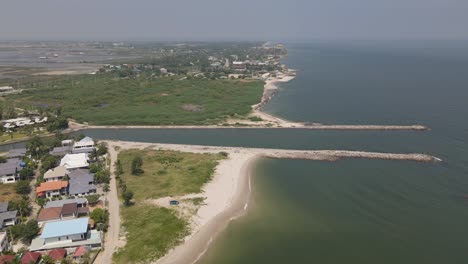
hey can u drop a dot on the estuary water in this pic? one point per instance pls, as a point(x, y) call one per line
point(353, 211)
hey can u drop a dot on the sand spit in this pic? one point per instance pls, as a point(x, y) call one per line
point(227, 195)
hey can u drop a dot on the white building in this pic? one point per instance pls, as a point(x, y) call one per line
point(86, 145)
point(75, 161)
point(67, 234)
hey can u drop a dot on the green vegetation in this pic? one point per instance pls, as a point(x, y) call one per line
point(26, 232)
point(106, 99)
point(101, 218)
point(152, 231)
point(183, 173)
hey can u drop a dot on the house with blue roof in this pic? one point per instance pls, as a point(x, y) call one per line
point(67, 234)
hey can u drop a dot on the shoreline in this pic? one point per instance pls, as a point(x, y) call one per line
point(268, 121)
point(225, 194)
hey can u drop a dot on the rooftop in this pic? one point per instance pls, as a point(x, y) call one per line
point(30, 257)
point(48, 214)
point(12, 166)
point(57, 254)
point(69, 208)
point(60, 203)
point(71, 161)
point(3, 207)
point(14, 153)
point(81, 184)
point(7, 215)
point(58, 151)
point(59, 171)
point(51, 186)
point(64, 228)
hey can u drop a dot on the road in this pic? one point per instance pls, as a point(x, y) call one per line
point(113, 232)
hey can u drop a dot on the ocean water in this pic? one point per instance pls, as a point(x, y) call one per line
point(363, 211)
point(353, 211)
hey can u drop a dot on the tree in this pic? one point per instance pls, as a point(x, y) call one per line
point(101, 149)
point(46, 259)
point(23, 187)
point(36, 147)
point(49, 162)
point(93, 199)
point(94, 167)
point(101, 217)
point(26, 173)
point(137, 164)
point(29, 231)
point(127, 196)
point(118, 168)
point(102, 176)
point(3, 159)
point(22, 205)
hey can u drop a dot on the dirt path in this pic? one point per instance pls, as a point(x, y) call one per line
point(113, 233)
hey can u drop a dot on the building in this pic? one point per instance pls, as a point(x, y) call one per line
point(16, 153)
point(52, 189)
point(80, 202)
point(3, 207)
point(30, 258)
point(75, 161)
point(67, 234)
point(81, 183)
point(10, 169)
point(64, 212)
point(49, 215)
point(4, 259)
point(80, 252)
point(61, 151)
point(55, 174)
point(57, 255)
point(85, 145)
point(8, 218)
point(4, 242)
point(239, 65)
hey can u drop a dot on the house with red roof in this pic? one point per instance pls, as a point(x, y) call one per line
point(30, 258)
point(80, 252)
point(4, 259)
point(57, 254)
point(52, 189)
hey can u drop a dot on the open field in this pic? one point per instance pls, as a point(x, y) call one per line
point(167, 173)
point(108, 100)
point(151, 230)
point(7, 192)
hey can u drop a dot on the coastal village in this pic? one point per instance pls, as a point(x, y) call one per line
point(59, 214)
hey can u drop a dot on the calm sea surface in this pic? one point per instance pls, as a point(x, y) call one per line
point(353, 211)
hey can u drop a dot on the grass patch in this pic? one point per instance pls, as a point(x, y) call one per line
point(168, 173)
point(152, 231)
point(104, 99)
point(8, 192)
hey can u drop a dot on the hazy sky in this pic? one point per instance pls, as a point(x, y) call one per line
point(233, 20)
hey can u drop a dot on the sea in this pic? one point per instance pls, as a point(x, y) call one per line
point(354, 210)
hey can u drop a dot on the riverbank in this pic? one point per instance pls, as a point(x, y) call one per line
point(226, 196)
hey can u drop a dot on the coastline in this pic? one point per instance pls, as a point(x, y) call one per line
point(268, 121)
point(227, 194)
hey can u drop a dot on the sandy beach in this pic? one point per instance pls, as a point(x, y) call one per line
point(227, 195)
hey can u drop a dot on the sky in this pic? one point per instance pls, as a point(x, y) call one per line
point(221, 20)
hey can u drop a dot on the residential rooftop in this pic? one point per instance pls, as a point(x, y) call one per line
point(65, 228)
point(60, 203)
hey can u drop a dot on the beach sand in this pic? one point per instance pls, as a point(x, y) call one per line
point(227, 195)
